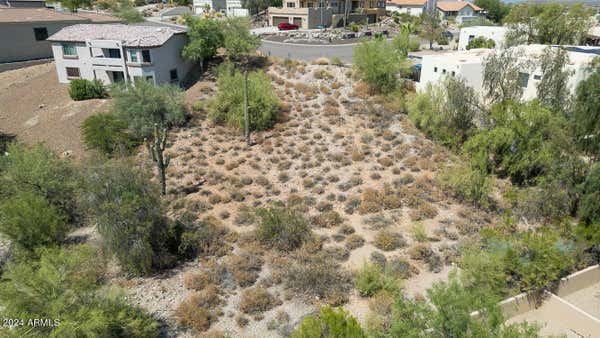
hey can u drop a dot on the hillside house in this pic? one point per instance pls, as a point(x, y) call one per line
point(114, 53)
point(461, 11)
point(412, 7)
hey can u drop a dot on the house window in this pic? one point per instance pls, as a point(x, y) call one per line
point(41, 33)
point(453, 73)
point(150, 78)
point(291, 5)
point(523, 79)
point(73, 72)
point(133, 55)
point(173, 75)
point(371, 4)
point(118, 77)
point(146, 56)
point(435, 69)
point(381, 4)
point(69, 50)
point(114, 53)
point(537, 77)
point(471, 37)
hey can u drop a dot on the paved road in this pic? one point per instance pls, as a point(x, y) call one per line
point(306, 52)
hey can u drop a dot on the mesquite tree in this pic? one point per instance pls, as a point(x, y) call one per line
point(156, 149)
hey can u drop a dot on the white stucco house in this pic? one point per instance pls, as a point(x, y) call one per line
point(227, 7)
point(412, 7)
point(469, 65)
point(461, 11)
point(115, 52)
point(496, 33)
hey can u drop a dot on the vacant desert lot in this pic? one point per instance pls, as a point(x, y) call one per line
point(36, 108)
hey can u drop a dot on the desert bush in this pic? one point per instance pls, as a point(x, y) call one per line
point(37, 196)
point(388, 241)
point(589, 205)
point(398, 267)
point(468, 182)
point(315, 275)
point(281, 227)
point(143, 104)
point(82, 89)
point(377, 64)
point(192, 313)
point(245, 268)
point(257, 300)
point(126, 207)
point(329, 323)
point(66, 284)
point(204, 238)
point(107, 134)
point(419, 232)
point(354, 241)
point(420, 251)
point(370, 279)
point(228, 105)
point(327, 219)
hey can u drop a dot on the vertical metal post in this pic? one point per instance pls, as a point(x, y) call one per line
point(246, 114)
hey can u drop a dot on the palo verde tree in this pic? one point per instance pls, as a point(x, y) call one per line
point(378, 64)
point(205, 37)
point(502, 72)
point(237, 39)
point(586, 114)
point(156, 149)
point(495, 10)
point(553, 89)
point(431, 26)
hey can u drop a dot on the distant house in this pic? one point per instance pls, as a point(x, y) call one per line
point(469, 64)
point(114, 52)
point(227, 7)
point(412, 7)
point(496, 33)
point(462, 11)
point(23, 31)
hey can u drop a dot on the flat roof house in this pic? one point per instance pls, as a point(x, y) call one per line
point(469, 66)
point(412, 7)
point(462, 11)
point(23, 31)
point(114, 52)
point(496, 33)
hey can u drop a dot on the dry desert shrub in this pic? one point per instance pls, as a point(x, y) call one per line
point(424, 210)
point(309, 92)
point(420, 251)
point(388, 241)
point(200, 310)
point(385, 161)
point(322, 74)
point(327, 219)
point(196, 281)
point(322, 61)
point(375, 201)
point(354, 241)
point(244, 267)
point(257, 300)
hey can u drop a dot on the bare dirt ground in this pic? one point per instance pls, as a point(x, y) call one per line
point(36, 108)
point(336, 148)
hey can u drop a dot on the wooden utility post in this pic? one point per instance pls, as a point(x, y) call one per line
point(246, 113)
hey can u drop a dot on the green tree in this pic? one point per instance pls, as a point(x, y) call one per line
point(237, 38)
point(495, 10)
point(548, 23)
point(143, 104)
point(228, 105)
point(126, 208)
point(553, 89)
point(330, 323)
point(74, 5)
point(106, 133)
point(586, 115)
point(481, 42)
point(205, 37)
point(378, 64)
point(502, 71)
point(64, 285)
point(589, 206)
point(431, 26)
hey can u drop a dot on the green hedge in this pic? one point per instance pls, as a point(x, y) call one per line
point(81, 89)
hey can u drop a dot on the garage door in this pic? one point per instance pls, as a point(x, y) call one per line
point(279, 19)
point(298, 21)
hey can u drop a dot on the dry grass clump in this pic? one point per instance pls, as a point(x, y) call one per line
point(424, 210)
point(385, 161)
point(196, 281)
point(388, 241)
point(400, 268)
point(200, 310)
point(354, 241)
point(322, 61)
point(314, 275)
point(257, 300)
point(420, 251)
point(327, 219)
point(323, 74)
point(245, 268)
point(375, 201)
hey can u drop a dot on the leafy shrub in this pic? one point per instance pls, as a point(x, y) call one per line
point(282, 227)
point(228, 105)
point(257, 300)
point(204, 238)
point(82, 89)
point(329, 323)
point(371, 279)
point(143, 104)
point(127, 209)
point(419, 232)
point(469, 182)
point(481, 42)
point(65, 284)
point(388, 241)
point(107, 134)
point(378, 64)
point(589, 206)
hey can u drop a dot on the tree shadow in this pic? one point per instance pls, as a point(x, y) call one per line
point(5, 140)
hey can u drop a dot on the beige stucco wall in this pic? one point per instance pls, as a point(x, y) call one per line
point(18, 40)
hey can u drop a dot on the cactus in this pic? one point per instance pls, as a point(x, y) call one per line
point(156, 149)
